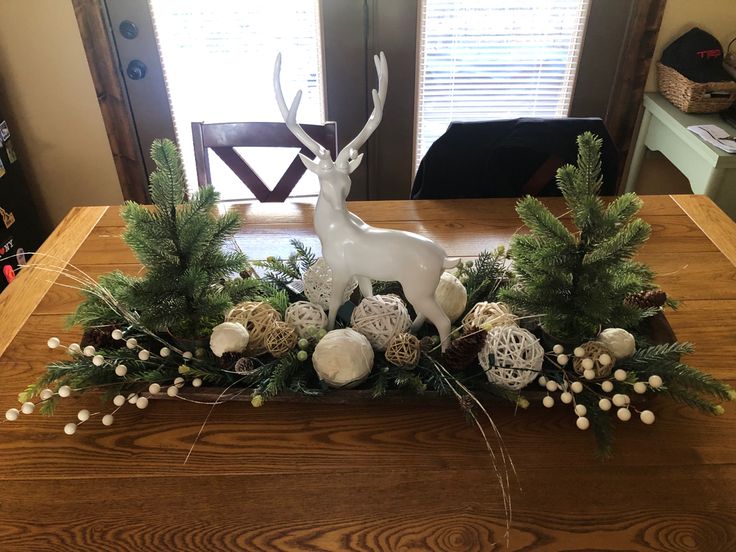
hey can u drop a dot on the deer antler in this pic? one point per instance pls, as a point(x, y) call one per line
point(289, 115)
point(379, 97)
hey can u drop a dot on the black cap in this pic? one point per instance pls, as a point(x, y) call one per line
point(698, 56)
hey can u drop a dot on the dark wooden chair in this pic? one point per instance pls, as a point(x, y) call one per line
point(222, 138)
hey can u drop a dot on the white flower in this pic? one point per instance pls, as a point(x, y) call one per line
point(229, 337)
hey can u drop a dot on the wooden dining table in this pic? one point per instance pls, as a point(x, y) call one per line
point(394, 475)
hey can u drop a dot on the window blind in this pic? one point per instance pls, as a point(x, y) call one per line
point(494, 59)
point(218, 58)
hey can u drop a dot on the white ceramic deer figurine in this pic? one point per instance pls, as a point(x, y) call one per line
point(350, 246)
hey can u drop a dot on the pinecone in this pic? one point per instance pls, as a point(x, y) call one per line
point(427, 343)
point(100, 338)
point(464, 350)
point(466, 403)
point(647, 299)
point(244, 365)
point(228, 360)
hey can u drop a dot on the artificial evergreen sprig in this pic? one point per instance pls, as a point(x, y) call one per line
point(282, 272)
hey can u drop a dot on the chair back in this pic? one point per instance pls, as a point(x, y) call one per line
point(223, 138)
point(508, 158)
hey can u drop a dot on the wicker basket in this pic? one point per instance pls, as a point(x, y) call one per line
point(694, 97)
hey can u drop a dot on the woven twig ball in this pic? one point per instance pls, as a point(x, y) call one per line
point(343, 358)
point(379, 318)
point(280, 339)
point(257, 317)
point(305, 317)
point(403, 350)
point(487, 316)
point(593, 351)
point(317, 282)
point(511, 357)
point(451, 296)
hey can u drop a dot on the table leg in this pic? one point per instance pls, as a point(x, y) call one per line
point(638, 153)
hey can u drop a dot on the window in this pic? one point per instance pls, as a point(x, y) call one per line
point(494, 59)
point(218, 59)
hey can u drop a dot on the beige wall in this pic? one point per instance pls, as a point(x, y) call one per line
point(718, 17)
point(49, 98)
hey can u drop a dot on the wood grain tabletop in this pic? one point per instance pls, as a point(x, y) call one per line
point(372, 476)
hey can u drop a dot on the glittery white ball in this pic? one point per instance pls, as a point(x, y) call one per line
point(655, 381)
point(343, 358)
point(142, 402)
point(27, 407)
point(640, 387)
point(604, 404)
point(197, 382)
point(620, 375)
point(566, 397)
point(107, 420)
point(70, 429)
point(53, 342)
point(74, 348)
point(548, 401)
point(154, 389)
point(624, 414)
point(576, 387)
point(117, 335)
point(620, 342)
point(121, 370)
point(229, 337)
point(83, 415)
point(583, 423)
point(89, 351)
point(143, 354)
point(580, 410)
point(607, 386)
point(172, 391)
point(131, 343)
point(11, 414)
point(647, 416)
point(98, 360)
point(451, 296)
point(558, 349)
point(317, 281)
point(164, 352)
point(65, 391)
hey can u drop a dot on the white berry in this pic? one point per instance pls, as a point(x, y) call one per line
point(74, 348)
point(154, 389)
point(12, 414)
point(83, 415)
point(89, 351)
point(604, 404)
point(589, 374)
point(624, 414)
point(27, 408)
point(542, 381)
point(580, 410)
point(119, 400)
point(164, 352)
point(142, 402)
point(131, 343)
point(647, 416)
point(604, 359)
point(576, 387)
point(70, 429)
point(548, 401)
point(583, 423)
point(179, 382)
point(562, 360)
point(132, 398)
point(117, 335)
point(620, 375)
point(558, 349)
point(607, 386)
point(46, 394)
point(172, 391)
point(551, 386)
point(107, 419)
point(53, 342)
point(121, 370)
point(620, 399)
point(65, 391)
point(566, 397)
point(655, 381)
point(197, 382)
point(579, 352)
point(143, 354)
point(187, 355)
point(640, 387)
point(98, 360)
point(587, 363)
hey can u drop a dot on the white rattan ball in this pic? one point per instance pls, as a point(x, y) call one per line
point(511, 357)
point(379, 318)
point(620, 342)
point(317, 282)
point(305, 318)
point(487, 316)
point(343, 358)
point(451, 296)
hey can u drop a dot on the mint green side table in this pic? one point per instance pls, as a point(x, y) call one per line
point(711, 171)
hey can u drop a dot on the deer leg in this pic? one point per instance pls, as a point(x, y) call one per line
point(366, 286)
point(336, 295)
point(418, 322)
point(428, 307)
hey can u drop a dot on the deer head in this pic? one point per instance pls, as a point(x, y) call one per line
point(333, 173)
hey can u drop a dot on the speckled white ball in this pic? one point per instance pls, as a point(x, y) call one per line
point(451, 296)
point(343, 358)
point(620, 342)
